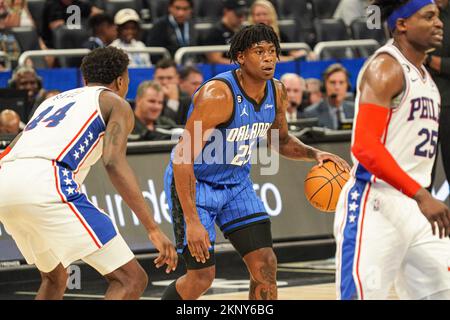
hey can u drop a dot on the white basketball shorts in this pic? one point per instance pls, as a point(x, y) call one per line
point(52, 222)
point(383, 240)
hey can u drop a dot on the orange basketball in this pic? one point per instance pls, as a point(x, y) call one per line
point(324, 184)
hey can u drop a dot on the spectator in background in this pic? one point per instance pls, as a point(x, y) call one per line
point(16, 14)
point(349, 10)
point(235, 12)
point(55, 15)
point(176, 102)
point(295, 86)
point(314, 92)
point(9, 45)
point(104, 31)
point(438, 62)
point(333, 112)
point(263, 11)
point(26, 78)
point(127, 21)
point(148, 109)
point(175, 30)
point(190, 79)
point(9, 122)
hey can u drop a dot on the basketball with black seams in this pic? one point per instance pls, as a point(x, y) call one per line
point(323, 185)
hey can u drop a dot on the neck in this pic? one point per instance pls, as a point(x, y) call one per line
point(254, 88)
point(414, 55)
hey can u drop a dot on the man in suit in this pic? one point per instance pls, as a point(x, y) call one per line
point(175, 30)
point(295, 86)
point(333, 111)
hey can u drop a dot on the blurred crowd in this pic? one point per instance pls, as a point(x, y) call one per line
point(162, 101)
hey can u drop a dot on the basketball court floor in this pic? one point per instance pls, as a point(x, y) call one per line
point(305, 272)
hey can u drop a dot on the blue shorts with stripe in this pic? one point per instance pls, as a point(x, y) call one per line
point(231, 207)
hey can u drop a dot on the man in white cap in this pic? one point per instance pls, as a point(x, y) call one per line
point(127, 21)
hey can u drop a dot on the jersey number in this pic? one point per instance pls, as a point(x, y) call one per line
point(53, 120)
point(243, 155)
point(431, 137)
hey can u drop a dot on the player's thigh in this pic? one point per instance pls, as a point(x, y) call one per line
point(426, 268)
point(370, 248)
point(34, 247)
point(252, 238)
point(206, 202)
point(243, 208)
point(110, 257)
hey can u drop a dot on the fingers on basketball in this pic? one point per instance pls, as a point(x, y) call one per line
point(323, 185)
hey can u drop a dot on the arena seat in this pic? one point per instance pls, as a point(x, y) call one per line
point(158, 8)
point(208, 10)
point(359, 30)
point(112, 6)
point(36, 8)
point(67, 38)
point(333, 30)
point(324, 9)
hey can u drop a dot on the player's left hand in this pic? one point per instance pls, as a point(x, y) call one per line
point(167, 253)
point(322, 156)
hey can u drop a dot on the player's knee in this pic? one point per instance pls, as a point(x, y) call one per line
point(204, 278)
point(264, 263)
point(137, 281)
point(56, 278)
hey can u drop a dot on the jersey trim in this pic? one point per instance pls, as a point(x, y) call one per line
point(257, 106)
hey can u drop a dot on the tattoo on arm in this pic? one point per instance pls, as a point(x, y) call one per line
point(112, 135)
point(192, 188)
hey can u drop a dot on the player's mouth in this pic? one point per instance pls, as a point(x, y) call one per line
point(438, 35)
point(268, 69)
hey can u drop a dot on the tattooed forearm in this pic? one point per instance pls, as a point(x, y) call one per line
point(294, 149)
point(192, 188)
point(113, 133)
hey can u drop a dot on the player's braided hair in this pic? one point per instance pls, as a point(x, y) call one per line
point(250, 35)
point(104, 65)
point(388, 6)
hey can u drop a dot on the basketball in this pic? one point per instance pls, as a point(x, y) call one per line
point(324, 184)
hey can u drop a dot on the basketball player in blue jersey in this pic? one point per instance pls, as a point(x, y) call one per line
point(241, 106)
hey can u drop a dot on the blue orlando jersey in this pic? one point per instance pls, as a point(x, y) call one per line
point(225, 158)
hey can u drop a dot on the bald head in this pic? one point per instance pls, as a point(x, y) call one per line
point(9, 122)
point(295, 85)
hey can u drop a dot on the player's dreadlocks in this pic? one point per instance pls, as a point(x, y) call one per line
point(104, 65)
point(250, 35)
point(388, 6)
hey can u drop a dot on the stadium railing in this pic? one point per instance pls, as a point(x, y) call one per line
point(320, 47)
point(81, 52)
point(182, 52)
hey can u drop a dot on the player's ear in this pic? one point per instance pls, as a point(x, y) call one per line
point(240, 57)
point(401, 25)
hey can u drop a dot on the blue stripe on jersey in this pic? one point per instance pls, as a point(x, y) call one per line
point(354, 210)
point(225, 159)
point(99, 222)
point(362, 173)
point(84, 144)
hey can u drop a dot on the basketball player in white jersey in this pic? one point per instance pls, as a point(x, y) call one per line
point(52, 222)
point(382, 223)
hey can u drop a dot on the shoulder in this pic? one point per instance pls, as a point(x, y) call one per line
point(110, 102)
point(280, 89)
point(217, 89)
point(384, 68)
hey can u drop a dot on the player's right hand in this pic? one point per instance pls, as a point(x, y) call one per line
point(198, 241)
point(167, 253)
point(435, 211)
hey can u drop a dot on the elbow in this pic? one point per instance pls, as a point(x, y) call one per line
point(366, 156)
